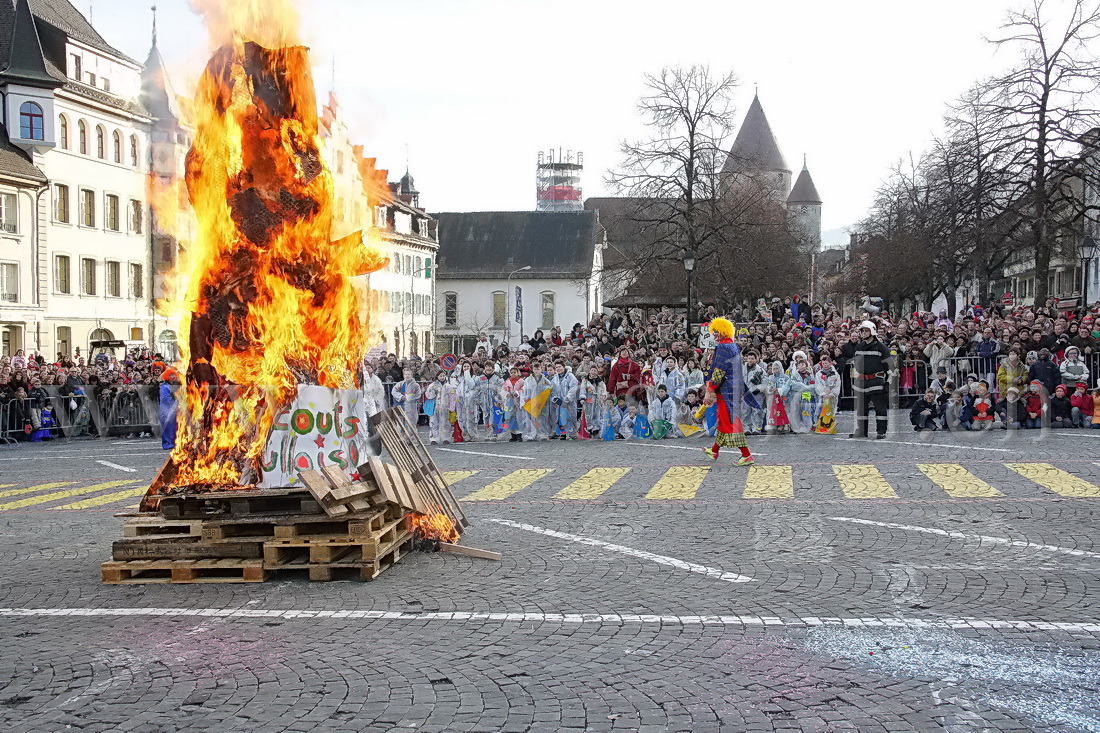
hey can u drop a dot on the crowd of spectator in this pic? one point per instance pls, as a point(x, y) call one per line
point(975, 366)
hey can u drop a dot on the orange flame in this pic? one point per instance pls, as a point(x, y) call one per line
point(271, 298)
point(434, 527)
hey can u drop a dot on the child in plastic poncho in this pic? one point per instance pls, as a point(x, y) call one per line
point(624, 419)
point(802, 397)
point(488, 403)
point(512, 398)
point(755, 376)
point(538, 425)
point(563, 402)
point(439, 424)
point(827, 385)
point(593, 394)
point(777, 387)
point(675, 381)
point(663, 414)
point(374, 394)
point(468, 384)
point(406, 395)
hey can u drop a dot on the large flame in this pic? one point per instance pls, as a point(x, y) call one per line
point(270, 296)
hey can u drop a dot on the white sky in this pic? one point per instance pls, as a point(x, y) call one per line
point(477, 87)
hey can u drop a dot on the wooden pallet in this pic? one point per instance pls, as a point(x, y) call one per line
point(183, 548)
point(338, 495)
point(351, 562)
point(263, 529)
point(243, 502)
point(329, 549)
point(411, 456)
point(398, 486)
point(154, 526)
point(183, 571)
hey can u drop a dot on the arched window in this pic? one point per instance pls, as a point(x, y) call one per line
point(31, 122)
point(82, 137)
point(101, 142)
point(134, 151)
point(63, 131)
point(116, 146)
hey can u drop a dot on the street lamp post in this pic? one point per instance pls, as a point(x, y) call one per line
point(689, 266)
point(507, 317)
point(1088, 250)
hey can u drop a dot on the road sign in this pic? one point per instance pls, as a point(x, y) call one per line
point(448, 361)
point(1008, 298)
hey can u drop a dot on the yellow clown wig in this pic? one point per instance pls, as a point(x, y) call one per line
point(721, 328)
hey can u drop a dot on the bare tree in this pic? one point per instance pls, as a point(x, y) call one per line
point(679, 201)
point(1043, 106)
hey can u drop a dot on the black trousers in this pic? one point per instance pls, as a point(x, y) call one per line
point(865, 401)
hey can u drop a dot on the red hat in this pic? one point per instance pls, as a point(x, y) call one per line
point(1080, 385)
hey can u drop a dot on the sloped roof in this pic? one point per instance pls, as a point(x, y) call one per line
point(755, 147)
point(157, 95)
point(15, 162)
point(491, 244)
point(21, 57)
point(61, 14)
point(804, 191)
point(628, 232)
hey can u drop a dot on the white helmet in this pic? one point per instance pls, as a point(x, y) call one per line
point(870, 326)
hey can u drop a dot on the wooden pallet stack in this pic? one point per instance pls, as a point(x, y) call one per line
point(334, 525)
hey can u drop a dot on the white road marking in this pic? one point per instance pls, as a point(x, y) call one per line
point(115, 465)
point(661, 559)
point(91, 456)
point(921, 444)
point(494, 455)
point(615, 619)
point(1081, 434)
point(980, 537)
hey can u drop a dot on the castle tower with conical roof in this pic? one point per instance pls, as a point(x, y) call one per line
point(804, 208)
point(755, 157)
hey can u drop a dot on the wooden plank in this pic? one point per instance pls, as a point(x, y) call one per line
point(469, 551)
point(318, 485)
point(182, 548)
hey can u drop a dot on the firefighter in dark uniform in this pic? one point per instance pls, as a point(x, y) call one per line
point(872, 364)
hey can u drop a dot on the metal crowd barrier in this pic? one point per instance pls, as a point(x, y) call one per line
point(127, 411)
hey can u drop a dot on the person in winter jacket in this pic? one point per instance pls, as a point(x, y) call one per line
point(1082, 406)
point(924, 412)
point(1011, 373)
point(981, 407)
point(987, 350)
point(1060, 408)
point(1036, 410)
point(1045, 371)
point(626, 376)
point(1010, 410)
point(1073, 369)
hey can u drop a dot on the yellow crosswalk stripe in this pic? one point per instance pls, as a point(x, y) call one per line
point(769, 482)
point(1055, 479)
point(32, 489)
point(505, 486)
point(104, 499)
point(863, 482)
point(43, 498)
point(957, 481)
point(592, 484)
point(679, 482)
point(453, 477)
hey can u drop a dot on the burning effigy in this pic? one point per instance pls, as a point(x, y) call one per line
point(272, 468)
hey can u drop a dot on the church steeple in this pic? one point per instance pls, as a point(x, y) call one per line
point(755, 149)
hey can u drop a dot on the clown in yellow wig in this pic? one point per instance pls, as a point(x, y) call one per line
point(726, 388)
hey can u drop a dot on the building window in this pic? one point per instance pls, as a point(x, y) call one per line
point(91, 79)
point(428, 267)
point(87, 207)
point(64, 340)
point(9, 213)
point(101, 142)
point(116, 146)
point(63, 129)
point(9, 282)
point(114, 279)
point(548, 310)
point(134, 151)
point(450, 310)
point(137, 281)
point(111, 210)
point(135, 216)
point(31, 122)
point(106, 85)
point(82, 137)
point(500, 309)
point(419, 266)
point(87, 276)
point(62, 272)
point(61, 203)
point(76, 69)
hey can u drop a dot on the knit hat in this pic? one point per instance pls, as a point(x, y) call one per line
point(1080, 385)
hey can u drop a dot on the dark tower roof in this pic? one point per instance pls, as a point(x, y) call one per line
point(408, 186)
point(755, 147)
point(804, 191)
point(21, 57)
